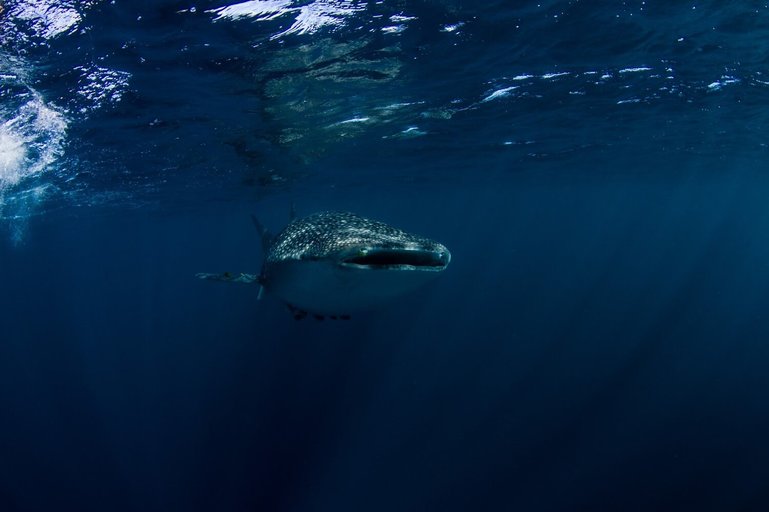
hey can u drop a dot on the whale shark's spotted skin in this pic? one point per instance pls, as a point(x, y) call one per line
point(335, 263)
point(327, 233)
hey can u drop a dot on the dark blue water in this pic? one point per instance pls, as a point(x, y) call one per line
point(600, 340)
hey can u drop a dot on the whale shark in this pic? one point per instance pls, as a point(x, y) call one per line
point(337, 263)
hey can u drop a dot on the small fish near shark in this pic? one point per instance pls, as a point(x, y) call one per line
point(332, 264)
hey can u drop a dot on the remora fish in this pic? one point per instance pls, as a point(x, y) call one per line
point(337, 263)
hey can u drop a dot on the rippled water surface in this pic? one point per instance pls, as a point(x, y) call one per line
point(597, 169)
point(271, 93)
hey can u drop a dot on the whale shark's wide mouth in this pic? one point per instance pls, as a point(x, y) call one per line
point(398, 259)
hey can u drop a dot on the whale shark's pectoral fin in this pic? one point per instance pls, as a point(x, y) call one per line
point(229, 277)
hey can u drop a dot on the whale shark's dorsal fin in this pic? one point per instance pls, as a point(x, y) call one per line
point(264, 234)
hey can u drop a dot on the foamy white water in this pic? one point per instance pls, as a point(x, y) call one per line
point(12, 152)
point(30, 142)
point(309, 18)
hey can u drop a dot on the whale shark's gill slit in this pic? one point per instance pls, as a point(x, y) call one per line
point(398, 258)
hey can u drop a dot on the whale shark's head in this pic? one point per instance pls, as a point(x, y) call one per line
point(337, 263)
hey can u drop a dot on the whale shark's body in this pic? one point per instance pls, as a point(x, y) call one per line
point(337, 263)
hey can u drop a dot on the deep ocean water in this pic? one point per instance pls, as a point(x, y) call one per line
point(600, 340)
